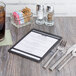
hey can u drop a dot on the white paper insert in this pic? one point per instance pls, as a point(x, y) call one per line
point(36, 44)
point(19, 52)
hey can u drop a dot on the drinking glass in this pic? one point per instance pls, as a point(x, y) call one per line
point(2, 20)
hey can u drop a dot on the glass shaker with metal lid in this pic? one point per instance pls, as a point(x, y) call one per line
point(49, 16)
point(40, 14)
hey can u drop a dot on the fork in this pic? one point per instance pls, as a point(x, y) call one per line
point(59, 48)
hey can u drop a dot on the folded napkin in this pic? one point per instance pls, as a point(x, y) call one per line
point(7, 40)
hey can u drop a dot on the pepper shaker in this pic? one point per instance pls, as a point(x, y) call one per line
point(49, 16)
point(40, 14)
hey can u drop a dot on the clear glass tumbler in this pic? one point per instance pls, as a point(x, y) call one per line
point(2, 20)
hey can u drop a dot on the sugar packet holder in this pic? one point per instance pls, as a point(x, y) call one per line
point(21, 18)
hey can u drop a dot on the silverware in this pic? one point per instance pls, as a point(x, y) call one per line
point(60, 47)
point(68, 51)
point(73, 55)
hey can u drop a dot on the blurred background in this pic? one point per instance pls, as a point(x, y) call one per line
point(61, 7)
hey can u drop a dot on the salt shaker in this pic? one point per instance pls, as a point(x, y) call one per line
point(49, 16)
point(40, 14)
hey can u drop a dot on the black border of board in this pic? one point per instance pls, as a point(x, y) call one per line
point(40, 32)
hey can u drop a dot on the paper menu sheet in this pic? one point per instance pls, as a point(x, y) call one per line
point(36, 44)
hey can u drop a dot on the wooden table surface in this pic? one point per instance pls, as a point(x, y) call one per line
point(14, 65)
